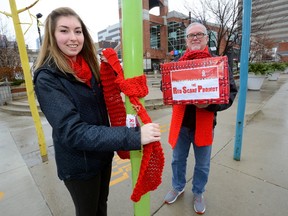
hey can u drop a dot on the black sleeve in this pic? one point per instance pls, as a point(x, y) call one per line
point(232, 95)
point(69, 128)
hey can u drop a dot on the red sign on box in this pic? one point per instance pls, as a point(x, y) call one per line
point(196, 81)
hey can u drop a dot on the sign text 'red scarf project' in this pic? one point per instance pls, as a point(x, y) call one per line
point(196, 81)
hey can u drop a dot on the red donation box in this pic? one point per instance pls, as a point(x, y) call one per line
point(198, 81)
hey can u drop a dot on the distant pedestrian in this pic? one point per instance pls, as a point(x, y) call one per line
point(183, 129)
point(69, 91)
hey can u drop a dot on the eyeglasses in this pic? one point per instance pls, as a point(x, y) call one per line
point(199, 35)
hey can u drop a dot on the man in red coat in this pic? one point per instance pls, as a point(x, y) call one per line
point(193, 125)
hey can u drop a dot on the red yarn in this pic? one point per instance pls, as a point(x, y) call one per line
point(82, 70)
point(152, 164)
point(195, 54)
point(113, 99)
point(178, 111)
point(204, 118)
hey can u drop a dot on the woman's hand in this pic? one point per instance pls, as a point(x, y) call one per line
point(150, 133)
point(103, 58)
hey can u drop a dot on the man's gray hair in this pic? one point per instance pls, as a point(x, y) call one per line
point(194, 24)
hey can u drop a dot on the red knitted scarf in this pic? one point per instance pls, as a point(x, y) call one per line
point(82, 70)
point(152, 164)
point(204, 118)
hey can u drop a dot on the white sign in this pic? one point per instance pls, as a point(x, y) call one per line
point(192, 90)
point(131, 121)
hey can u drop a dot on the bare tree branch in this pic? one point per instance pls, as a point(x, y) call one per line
point(9, 55)
point(225, 18)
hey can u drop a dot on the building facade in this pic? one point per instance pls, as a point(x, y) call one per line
point(111, 33)
point(282, 51)
point(163, 34)
point(269, 22)
point(273, 16)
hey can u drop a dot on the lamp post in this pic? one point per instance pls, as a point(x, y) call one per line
point(38, 16)
point(211, 42)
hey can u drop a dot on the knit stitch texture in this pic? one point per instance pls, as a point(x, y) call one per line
point(112, 78)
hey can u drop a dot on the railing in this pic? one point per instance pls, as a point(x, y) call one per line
point(5, 93)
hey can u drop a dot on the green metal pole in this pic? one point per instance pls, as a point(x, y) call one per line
point(132, 44)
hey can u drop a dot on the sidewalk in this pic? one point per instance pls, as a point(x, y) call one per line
point(256, 185)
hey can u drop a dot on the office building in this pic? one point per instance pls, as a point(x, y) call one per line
point(111, 33)
point(269, 25)
point(163, 34)
point(273, 16)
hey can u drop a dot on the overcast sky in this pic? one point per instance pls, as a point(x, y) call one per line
point(97, 15)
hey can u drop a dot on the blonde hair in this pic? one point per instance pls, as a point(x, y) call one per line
point(50, 51)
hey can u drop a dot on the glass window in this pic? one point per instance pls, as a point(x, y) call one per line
point(155, 37)
point(176, 37)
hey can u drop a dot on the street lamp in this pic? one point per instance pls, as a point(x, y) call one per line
point(38, 16)
point(211, 42)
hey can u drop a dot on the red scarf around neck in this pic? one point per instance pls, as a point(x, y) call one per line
point(204, 118)
point(82, 70)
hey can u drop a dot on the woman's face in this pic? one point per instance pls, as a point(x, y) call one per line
point(69, 36)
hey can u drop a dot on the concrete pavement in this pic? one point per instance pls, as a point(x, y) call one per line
point(256, 185)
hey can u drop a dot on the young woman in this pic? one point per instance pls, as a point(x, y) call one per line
point(68, 88)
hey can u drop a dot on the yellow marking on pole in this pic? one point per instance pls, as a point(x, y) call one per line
point(119, 179)
point(123, 162)
point(125, 168)
point(120, 170)
point(1, 195)
point(164, 128)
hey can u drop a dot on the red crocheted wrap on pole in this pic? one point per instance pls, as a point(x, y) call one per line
point(152, 164)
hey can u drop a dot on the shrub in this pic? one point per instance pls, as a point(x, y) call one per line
point(258, 68)
point(277, 66)
point(17, 82)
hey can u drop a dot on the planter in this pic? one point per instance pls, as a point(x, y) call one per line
point(255, 82)
point(5, 94)
point(274, 76)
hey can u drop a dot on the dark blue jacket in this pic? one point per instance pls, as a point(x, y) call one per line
point(83, 140)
